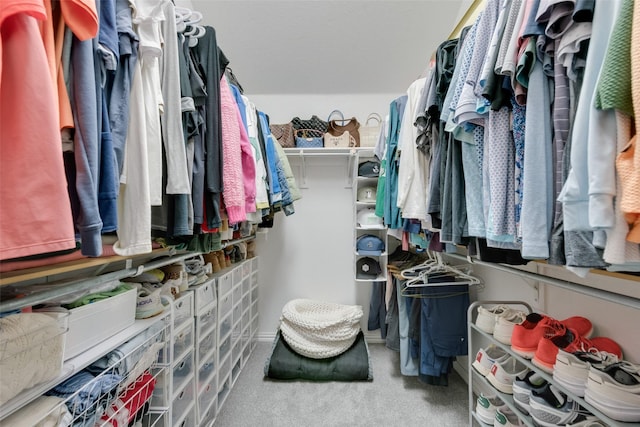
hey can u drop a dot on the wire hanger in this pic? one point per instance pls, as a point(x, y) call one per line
point(438, 269)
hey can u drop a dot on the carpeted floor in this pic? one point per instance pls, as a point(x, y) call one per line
point(389, 400)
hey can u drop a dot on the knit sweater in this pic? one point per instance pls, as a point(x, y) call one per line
point(233, 183)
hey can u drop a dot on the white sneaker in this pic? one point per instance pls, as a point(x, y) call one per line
point(506, 418)
point(502, 374)
point(503, 328)
point(615, 391)
point(486, 408)
point(486, 319)
point(148, 303)
point(571, 370)
point(485, 358)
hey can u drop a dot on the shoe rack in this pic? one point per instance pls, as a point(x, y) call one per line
point(478, 338)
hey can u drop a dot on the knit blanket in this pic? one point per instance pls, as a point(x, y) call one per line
point(318, 329)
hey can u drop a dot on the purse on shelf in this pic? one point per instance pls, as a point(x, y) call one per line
point(315, 123)
point(369, 134)
point(308, 138)
point(342, 132)
point(284, 134)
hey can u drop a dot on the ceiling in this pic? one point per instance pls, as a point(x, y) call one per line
point(329, 46)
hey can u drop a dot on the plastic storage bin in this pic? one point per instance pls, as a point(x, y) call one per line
point(183, 309)
point(204, 295)
point(93, 323)
point(32, 347)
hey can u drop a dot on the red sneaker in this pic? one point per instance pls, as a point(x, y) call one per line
point(528, 334)
point(571, 342)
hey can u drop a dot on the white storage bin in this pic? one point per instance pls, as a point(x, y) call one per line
point(206, 416)
point(254, 295)
point(246, 318)
point(204, 295)
point(237, 294)
point(237, 275)
point(206, 321)
point(207, 344)
point(246, 302)
point(224, 387)
point(32, 346)
point(254, 264)
point(225, 283)
point(237, 313)
point(224, 327)
point(224, 350)
point(224, 372)
point(254, 279)
point(182, 341)
point(246, 285)
point(246, 268)
point(207, 395)
point(237, 367)
point(93, 323)
point(161, 396)
point(236, 352)
point(182, 370)
point(235, 335)
point(206, 371)
point(183, 401)
point(183, 309)
point(254, 308)
point(225, 304)
point(189, 420)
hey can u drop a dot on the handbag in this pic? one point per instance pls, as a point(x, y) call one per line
point(284, 134)
point(335, 135)
point(314, 123)
point(369, 134)
point(308, 138)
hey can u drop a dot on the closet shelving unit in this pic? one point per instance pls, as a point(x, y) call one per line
point(506, 398)
point(363, 155)
point(190, 386)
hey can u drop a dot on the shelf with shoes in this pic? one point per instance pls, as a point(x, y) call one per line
point(476, 330)
point(370, 234)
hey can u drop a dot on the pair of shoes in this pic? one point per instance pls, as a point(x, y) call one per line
point(524, 386)
point(503, 374)
point(570, 341)
point(527, 335)
point(148, 302)
point(487, 357)
point(571, 370)
point(551, 407)
point(615, 390)
point(212, 258)
point(486, 407)
point(507, 418)
point(499, 321)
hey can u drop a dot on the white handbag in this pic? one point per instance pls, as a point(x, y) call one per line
point(369, 134)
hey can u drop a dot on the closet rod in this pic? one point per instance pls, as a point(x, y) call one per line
point(87, 283)
point(564, 284)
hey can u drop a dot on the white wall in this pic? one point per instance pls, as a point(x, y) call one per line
point(310, 253)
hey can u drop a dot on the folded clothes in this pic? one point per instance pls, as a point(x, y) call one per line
point(99, 296)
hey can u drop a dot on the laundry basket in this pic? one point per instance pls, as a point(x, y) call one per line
point(318, 329)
